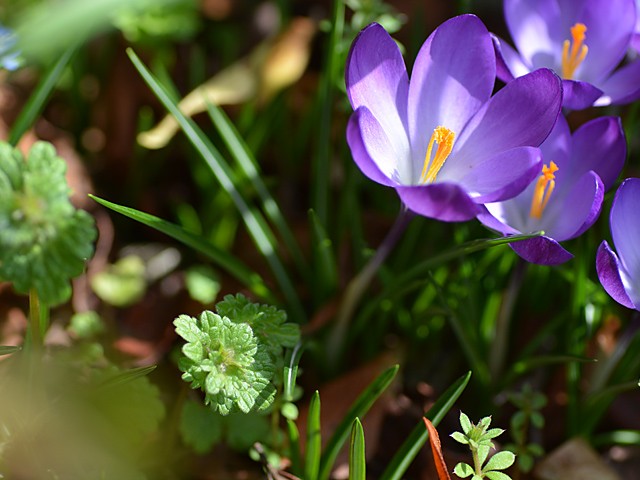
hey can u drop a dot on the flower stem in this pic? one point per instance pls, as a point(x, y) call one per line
point(358, 284)
point(499, 346)
point(34, 322)
point(477, 466)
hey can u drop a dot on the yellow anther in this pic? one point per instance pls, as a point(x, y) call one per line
point(444, 138)
point(544, 187)
point(571, 60)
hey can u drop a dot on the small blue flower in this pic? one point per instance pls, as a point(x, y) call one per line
point(9, 55)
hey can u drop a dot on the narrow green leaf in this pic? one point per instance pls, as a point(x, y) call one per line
point(294, 447)
point(39, 97)
point(465, 423)
point(326, 274)
point(359, 408)
point(224, 259)
point(314, 440)
point(241, 153)
point(462, 250)
point(617, 437)
point(531, 363)
point(291, 371)
point(418, 436)
point(9, 349)
point(321, 160)
point(414, 277)
point(253, 220)
point(357, 460)
point(126, 376)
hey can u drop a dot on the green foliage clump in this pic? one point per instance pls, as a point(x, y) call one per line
point(268, 323)
point(201, 428)
point(479, 439)
point(528, 417)
point(233, 355)
point(44, 239)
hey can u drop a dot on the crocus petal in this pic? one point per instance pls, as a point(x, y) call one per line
point(494, 219)
point(599, 145)
point(376, 77)
point(520, 114)
point(608, 268)
point(541, 250)
point(635, 42)
point(623, 86)
point(625, 226)
point(536, 29)
point(610, 25)
point(370, 147)
point(557, 146)
point(452, 77)
point(443, 201)
point(568, 217)
point(579, 95)
point(503, 175)
point(509, 63)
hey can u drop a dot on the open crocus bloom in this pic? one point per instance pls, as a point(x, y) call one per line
point(620, 274)
point(442, 141)
point(583, 41)
point(567, 197)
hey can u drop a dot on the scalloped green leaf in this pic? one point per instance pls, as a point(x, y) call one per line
point(224, 359)
point(44, 240)
point(268, 323)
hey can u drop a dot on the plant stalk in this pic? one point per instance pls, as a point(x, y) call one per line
point(503, 323)
point(358, 284)
point(34, 322)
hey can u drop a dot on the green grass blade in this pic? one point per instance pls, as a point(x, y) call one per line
point(9, 349)
point(314, 440)
point(321, 160)
point(224, 259)
point(325, 272)
point(406, 282)
point(254, 222)
point(38, 98)
point(291, 372)
point(419, 435)
point(126, 376)
point(240, 152)
point(357, 460)
point(521, 367)
point(294, 447)
point(359, 408)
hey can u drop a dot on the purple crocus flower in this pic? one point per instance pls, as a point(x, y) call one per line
point(620, 276)
point(442, 141)
point(584, 41)
point(567, 197)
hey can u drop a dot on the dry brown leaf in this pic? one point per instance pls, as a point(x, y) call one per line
point(436, 448)
point(270, 67)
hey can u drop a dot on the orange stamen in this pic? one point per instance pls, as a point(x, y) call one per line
point(572, 60)
point(444, 138)
point(544, 187)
